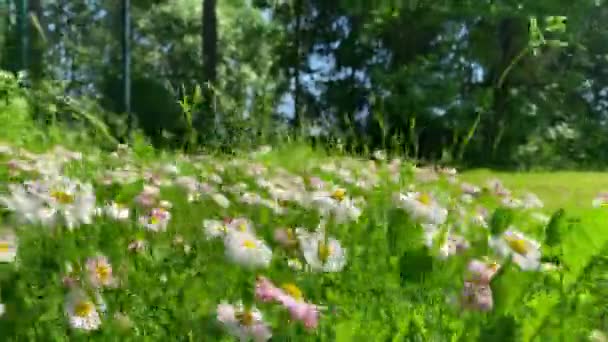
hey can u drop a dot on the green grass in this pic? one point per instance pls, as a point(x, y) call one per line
point(392, 287)
point(565, 189)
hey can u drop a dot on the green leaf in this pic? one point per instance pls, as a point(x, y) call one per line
point(553, 231)
point(556, 24)
point(501, 220)
point(509, 285)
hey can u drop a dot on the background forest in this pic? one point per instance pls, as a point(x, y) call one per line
point(507, 84)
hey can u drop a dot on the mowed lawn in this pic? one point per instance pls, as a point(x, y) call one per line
point(568, 190)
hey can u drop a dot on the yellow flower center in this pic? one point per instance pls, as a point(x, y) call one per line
point(243, 227)
point(324, 251)
point(249, 244)
point(83, 308)
point(62, 197)
point(424, 198)
point(103, 272)
point(339, 195)
point(245, 318)
point(4, 246)
point(154, 219)
point(293, 291)
point(518, 245)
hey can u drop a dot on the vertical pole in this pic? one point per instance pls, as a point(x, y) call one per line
point(126, 63)
point(4, 13)
point(22, 24)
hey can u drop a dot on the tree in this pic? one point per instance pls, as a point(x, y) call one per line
point(210, 58)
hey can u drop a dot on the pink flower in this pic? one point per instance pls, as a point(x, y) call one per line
point(482, 272)
point(477, 297)
point(100, 271)
point(470, 189)
point(477, 293)
point(266, 291)
point(225, 312)
point(69, 281)
point(302, 311)
point(299, 309)
point(148, 197)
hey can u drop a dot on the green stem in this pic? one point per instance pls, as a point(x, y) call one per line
point(515, 60)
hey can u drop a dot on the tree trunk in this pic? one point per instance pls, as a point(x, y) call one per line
point(210, 59)
point(209, 41)
point(36, 66)
point(296, 65)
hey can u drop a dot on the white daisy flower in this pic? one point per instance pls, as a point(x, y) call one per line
point(336, 203)
point(379, 155)
point(214, 228)
point(73, 200)
point(273, 205)
point(246, 249)
point(479, 220)
point(601, 200)
point(6, 149)
point(321, 255)
point(511, 202)
point(525, 251)
point(156, 220)
point(99, 271)
point(171, 169)
point(215, 178)
point(46, 201)
point(422, 207)
point(243, 324)
point(188, 183)
point(221, 200)
point(8, 248)
point(250, 198)
point(82, 311)
point(531, 201)
point(20, 201)
point(217, 228)
point(117, 211)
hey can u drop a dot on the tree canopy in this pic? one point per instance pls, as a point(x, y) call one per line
point(478, 83)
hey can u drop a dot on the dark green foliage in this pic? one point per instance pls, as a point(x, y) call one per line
point(154, 107)
point(415, 266)
point(501, 329)
point(466, 83)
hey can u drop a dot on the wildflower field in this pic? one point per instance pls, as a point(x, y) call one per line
point(289, 245)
